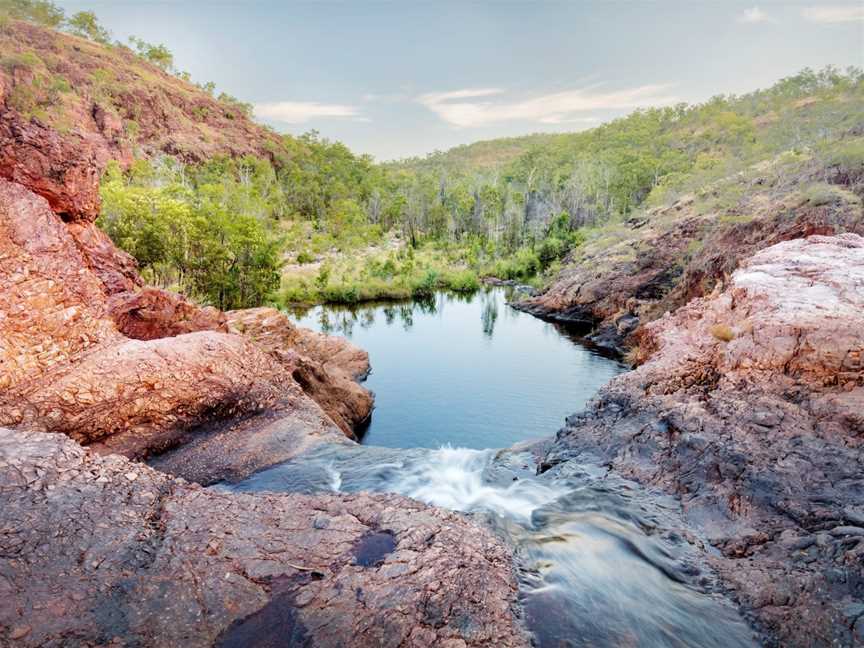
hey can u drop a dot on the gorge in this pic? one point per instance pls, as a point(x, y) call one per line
point(174, 473)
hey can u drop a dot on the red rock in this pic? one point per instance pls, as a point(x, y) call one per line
point(67, 368)
point(151, 313)
point(750, 408)
point(159, 562)
point(326, 367)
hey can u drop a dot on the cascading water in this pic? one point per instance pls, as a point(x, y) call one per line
point(602, 560)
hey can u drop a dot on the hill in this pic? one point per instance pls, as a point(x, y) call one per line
point(485, 155)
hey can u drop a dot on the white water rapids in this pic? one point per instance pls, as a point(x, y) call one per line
point(603, 562)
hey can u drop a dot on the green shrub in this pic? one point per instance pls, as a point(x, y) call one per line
point(426, 286)
point(464, 281)
point(821, 193)
point(304, 257)
point(723, 332)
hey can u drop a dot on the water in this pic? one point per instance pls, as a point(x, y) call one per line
point(468, 371)
point(602, 561)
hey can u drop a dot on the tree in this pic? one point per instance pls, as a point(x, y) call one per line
point(37, 11)
point(158, 55)
point(86, 25)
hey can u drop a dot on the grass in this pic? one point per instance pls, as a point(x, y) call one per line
point(400, 272)
point(722, 332)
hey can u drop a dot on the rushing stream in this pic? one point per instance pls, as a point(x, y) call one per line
point(603, 561)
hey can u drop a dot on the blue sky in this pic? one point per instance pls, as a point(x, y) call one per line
point(395, 79)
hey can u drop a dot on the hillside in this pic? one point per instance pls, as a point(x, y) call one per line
point(485, 155)
point(303, 219)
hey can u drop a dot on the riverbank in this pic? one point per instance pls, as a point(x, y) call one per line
point(398, 271)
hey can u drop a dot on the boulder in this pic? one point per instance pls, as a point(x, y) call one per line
point(750, 408)
point(98, 551)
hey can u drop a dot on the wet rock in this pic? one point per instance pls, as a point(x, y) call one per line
point(86, 555)
point(759, 432)
point(372, 548)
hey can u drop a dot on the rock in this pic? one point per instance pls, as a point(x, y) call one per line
point(326, 367)
point(117, 270)
point(760, 435)
point(160, 562)
point(151, 313)
point(678, 255)
point(66, 367)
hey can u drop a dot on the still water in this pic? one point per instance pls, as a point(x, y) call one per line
point(602, 561)
point(467, 371)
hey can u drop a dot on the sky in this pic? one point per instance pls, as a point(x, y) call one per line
point(399, 79)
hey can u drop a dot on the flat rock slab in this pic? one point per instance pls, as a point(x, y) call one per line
point(97, 550)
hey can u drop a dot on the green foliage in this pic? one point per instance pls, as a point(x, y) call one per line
point(231, 102)
point(42, 12)
point(157, 54)
point(190, 237)
point(86, 25)
point(21, 61)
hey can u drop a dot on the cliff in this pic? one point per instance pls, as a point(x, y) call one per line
point(628, 274)
point(749, 409)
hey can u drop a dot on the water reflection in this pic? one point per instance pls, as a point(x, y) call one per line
point(489, 315)
point(340, 319)
point(465, 369)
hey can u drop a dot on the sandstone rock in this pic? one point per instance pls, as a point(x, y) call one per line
point(678, 256)
point(117, 270)
point(750, 410)
point(151, 313)
point(88, 555)
point(66, 367)
point(327, 367)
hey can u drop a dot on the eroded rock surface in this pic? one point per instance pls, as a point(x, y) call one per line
point(658, 263)
point(751, 410)
point(327, 367)
point(67, 368)
point(99, 551)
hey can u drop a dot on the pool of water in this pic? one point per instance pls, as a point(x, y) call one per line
point(602, 561)
point(467, 371)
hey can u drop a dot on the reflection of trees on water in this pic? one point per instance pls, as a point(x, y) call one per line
point(489, 313)
point(342, 319)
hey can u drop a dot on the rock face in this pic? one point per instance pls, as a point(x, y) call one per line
point(116, 104)
point(751, 410)
point(67, 368)
point(676, 254)
point(326, 367)
point(98, 551)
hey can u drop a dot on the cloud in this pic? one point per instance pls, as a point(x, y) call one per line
point(474, 107)
point(834, 13)
point(297, 112)
point(753, 15)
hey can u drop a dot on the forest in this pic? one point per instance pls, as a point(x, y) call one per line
point(316, 222)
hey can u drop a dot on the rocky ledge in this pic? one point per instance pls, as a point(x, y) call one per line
point(87, 351)
point(99, 551)
point(659, 263)
point(750, 409)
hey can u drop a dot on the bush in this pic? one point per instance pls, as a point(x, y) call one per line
point(464, 281)
point(426, 286)
point(304, 257)
point(723, 332)
point(821, 194)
